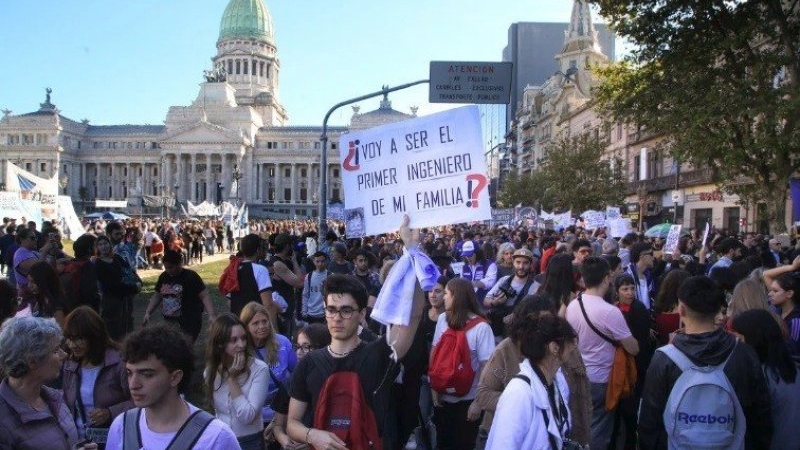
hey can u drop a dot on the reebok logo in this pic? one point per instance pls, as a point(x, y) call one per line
point(705, 418)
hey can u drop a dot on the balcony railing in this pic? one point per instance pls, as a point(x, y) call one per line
point(690, 178)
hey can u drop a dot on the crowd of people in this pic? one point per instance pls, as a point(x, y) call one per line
point(511, 338)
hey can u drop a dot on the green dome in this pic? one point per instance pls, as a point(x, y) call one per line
point(246, 19)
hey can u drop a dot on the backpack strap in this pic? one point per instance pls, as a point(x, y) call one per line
point(591, 325)
point(552, 439)
point(132, 436)
point(683, 362)
point(472, 323)
point(191, 431)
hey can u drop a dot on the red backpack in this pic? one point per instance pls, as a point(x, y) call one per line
point(450, 369)
point(342, 410)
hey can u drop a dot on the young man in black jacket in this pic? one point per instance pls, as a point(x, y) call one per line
point(705, 344)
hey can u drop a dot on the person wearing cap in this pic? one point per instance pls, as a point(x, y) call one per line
point(729, 249)
point(477, 269)
point(509, 290)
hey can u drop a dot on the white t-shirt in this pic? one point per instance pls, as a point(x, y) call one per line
point(216, 436)
point(88, 380)
point(481, 346)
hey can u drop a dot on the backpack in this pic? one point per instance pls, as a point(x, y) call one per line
point(702, 410)
point(185, 439)
point(342, 410)
point(229, 280)
point(450, 369)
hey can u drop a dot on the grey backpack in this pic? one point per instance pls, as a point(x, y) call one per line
point(702, 411)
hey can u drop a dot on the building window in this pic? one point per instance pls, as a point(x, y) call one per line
point(334, 194)
point(238, 67)
point(287, 194)
point(42, 167)
point(303, 172)
point(303, 194)
point(335, 173)
point(230, 66)
point(317, 146)
point(333, 145)
point(700, 217)
point(28, 166)
point(284, 145)
point(245, 68)
point(271, 171)
point(637, 162)
point(155, 171)
point(271, 194)
point(287, 172)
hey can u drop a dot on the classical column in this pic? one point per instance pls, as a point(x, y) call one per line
point(250, 177)
point(166, 170)
point(278, 181)
point(209, 179)
point(179, 178)
point(111, 181)
point(226, 175)
point(310, 186)
point(83, 175)
point(192, 180)
point(293, 186)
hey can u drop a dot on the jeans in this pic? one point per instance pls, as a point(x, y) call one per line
point(602, 420)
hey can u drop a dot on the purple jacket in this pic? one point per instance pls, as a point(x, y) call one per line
point(110, 391)
point(24, 428)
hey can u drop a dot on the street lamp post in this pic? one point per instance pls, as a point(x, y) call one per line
point(237, 175)
point(641, 192)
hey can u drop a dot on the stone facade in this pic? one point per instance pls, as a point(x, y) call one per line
point(236, 121)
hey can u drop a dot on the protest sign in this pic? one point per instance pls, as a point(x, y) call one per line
point(619, 227)
point(503, 216)
point(457, 267)
point(705, 233)
point(527, 216)
point(594, 219)
point(672, 239)
point(431, 168)
point(612, 212)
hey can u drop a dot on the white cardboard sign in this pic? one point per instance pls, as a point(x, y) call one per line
point(431, 168)
point(672, 239)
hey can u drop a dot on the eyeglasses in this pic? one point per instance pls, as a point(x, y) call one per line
point(345, 312)
point(305, 347)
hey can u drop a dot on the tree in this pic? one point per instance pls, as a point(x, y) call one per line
point(720, 80)
point(573, 174)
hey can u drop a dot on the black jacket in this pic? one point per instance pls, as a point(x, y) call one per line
point(743, 370)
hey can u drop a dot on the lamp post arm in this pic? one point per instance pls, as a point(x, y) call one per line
point(323, 169)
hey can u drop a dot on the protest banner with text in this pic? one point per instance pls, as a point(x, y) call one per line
point(431, 168)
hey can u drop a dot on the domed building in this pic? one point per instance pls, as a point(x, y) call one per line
point(235, 128)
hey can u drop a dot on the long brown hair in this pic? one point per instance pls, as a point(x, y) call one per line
point(218, 337)
point(464, 302)
point(249, 311)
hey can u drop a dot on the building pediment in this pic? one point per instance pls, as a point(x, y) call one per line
point(204, 133)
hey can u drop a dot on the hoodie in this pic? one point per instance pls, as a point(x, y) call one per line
point(743, 370)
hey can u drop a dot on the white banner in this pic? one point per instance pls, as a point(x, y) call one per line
point(30, 187)
point(71, 226)
point(594, 219)
point(619, 227)
point(111, 203)
point(431, 168)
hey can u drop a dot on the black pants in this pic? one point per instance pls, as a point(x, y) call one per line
point(453, 430)
point(117, 312)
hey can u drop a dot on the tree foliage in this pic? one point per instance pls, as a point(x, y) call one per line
point(572, 175)
point(721, 80)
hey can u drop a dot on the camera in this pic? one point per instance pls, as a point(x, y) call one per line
point(509, 292)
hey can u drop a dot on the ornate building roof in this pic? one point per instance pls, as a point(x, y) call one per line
point(247, 19)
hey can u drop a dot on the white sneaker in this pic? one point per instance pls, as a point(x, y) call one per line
point(412, 443)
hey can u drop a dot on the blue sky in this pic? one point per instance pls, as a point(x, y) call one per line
point(117, 62)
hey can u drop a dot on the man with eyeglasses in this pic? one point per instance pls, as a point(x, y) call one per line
point(641, 269)
point(345, 309)
point(27, 255)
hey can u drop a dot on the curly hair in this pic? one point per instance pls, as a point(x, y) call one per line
point(26, 340)
point(165, 342)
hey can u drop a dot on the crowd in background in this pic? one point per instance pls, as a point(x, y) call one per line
point(543, 313)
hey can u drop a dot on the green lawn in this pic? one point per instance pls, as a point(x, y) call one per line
point(210, 274)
